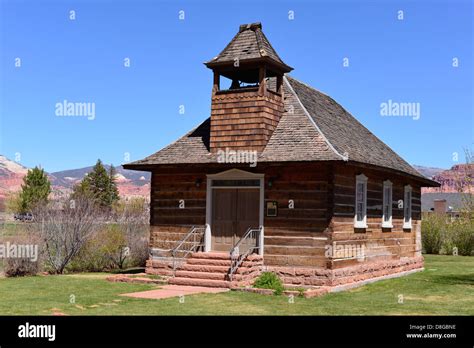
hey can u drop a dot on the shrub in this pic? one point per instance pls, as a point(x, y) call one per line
point(440, 235)
point(433, 229)
point(461, 237)
point(91, 257)
point(14, 267)
point(115, 246)
point(269, 280)
point(110, 248)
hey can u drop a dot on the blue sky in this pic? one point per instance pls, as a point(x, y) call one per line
point(137, 108)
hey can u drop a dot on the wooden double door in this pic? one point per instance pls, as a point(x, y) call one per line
point(234, 210)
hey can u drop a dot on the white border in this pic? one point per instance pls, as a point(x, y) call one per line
point(387, 224)
point(361, 178)
point(232, 174)
point(406, 189)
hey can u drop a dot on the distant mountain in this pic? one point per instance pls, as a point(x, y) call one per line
point(457, 179)
point(129, 183)
point(11, 177)
point(429, 172)
point(9, 167)
point(70, 177)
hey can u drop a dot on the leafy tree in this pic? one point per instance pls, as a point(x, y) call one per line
point(100, 185)
point(35, 189)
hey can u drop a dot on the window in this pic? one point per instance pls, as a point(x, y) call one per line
point(360, 219)
point(387, 204)
point(225, 183)
point(407, 207)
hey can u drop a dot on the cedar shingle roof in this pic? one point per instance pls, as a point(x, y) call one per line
point(313, 127)
point(250, 43)
point(347, 135)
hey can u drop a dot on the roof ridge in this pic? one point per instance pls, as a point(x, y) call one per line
point(259, 43)
point(343, 157)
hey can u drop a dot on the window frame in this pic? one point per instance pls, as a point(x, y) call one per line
point(361, 179)
point(387, 184)
point(407, 207)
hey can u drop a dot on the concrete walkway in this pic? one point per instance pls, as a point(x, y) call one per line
point(167, 291)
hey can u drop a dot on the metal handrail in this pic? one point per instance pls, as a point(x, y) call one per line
point(236, 257)
point(196, 233)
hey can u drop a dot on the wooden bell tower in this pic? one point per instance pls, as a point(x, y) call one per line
point(244, 115)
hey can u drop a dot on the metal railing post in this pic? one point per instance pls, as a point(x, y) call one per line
point(260, 241)
point(207, 238)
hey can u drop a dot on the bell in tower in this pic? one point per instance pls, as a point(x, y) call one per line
point(244, 116)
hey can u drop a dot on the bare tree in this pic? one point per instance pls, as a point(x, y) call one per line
point(131, 218)
point(65, 227)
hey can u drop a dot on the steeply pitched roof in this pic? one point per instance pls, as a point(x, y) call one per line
point(347, 135)
point(313, 127)
point(249, 43)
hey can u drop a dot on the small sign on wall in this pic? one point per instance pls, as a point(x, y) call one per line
point(272, 208)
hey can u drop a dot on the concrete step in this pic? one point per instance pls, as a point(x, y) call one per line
point(208, 262)
point(204, 268)
point(201, 275)
point(165, 263)
point(219, 262)
point(200, 282)
point(211, 255)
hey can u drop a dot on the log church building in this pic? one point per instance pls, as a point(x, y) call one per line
point(279, 178)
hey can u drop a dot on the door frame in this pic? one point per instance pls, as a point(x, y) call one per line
point(232, 174)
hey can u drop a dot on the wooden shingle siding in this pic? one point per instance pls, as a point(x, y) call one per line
point(243, 120)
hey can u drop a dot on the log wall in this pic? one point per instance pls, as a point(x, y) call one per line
point(298, 235)
point(379, 243)
point(169, 220)
point(323, 197)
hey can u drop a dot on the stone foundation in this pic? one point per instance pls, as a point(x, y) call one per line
point(346, 275)
point(210, 269)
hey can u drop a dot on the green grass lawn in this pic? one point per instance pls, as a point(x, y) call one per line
point(446, 287)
